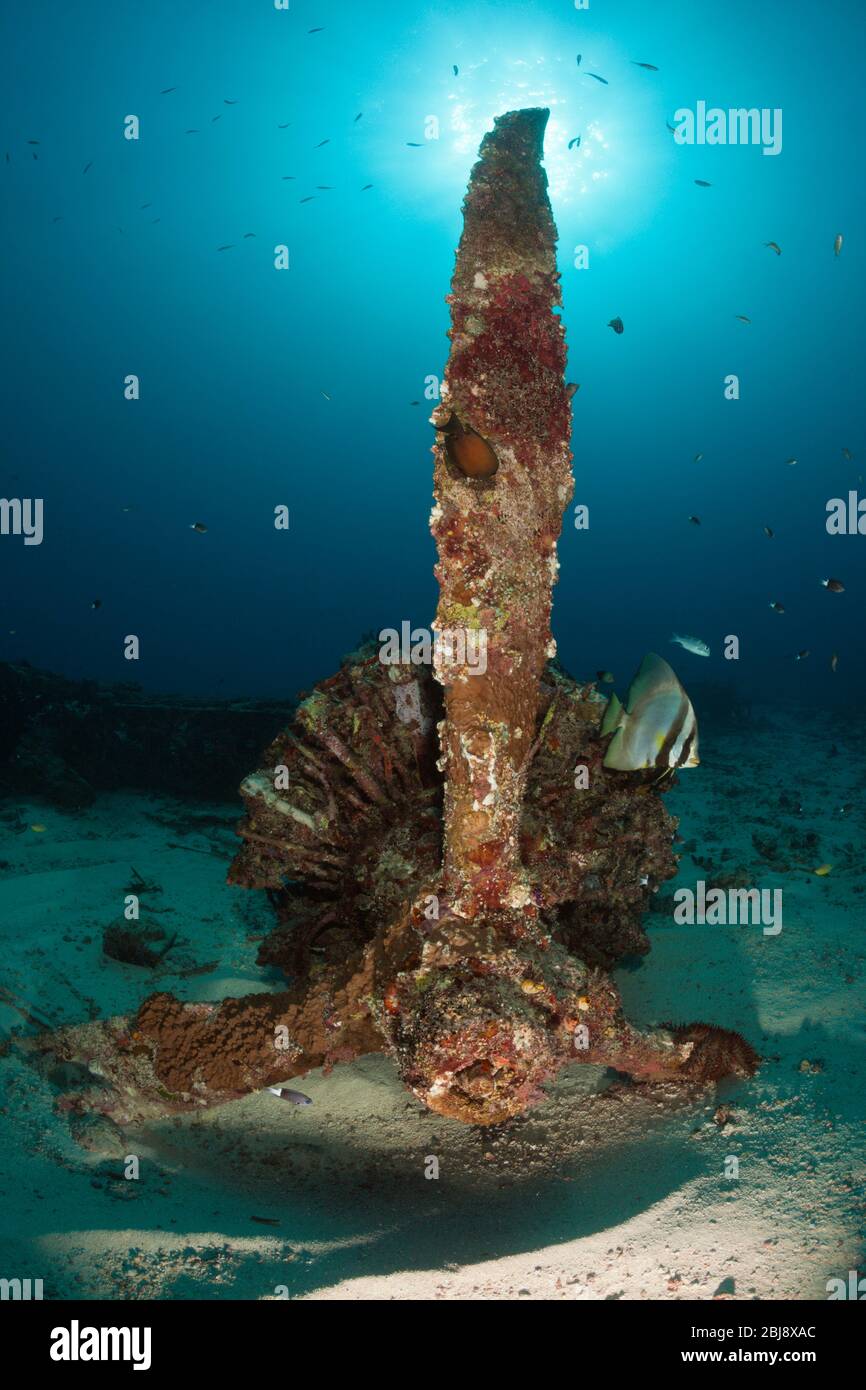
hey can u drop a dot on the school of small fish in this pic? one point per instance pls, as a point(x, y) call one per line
point(833, 585)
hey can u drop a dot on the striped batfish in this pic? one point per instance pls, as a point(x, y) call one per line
point(657, 728)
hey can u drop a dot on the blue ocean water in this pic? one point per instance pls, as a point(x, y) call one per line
point(261, 387)
point(346, 134)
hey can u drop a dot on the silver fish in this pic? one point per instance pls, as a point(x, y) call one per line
point(657, 727)
point(692, 644)
point(294, 1097)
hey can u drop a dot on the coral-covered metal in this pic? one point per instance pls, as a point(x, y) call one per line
point(454, 871)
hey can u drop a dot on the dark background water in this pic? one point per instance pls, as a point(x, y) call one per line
point(234, 357)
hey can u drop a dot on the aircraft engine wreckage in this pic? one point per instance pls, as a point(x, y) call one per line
point(447, 889)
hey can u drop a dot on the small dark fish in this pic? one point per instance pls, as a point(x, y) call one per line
point(296, 1097)
point(575, 141)
point(695, 520)
point(266, 1220)
point(97, 603)
point(777, 607)
point(320, 30)
point(247, 235)
point(650, 67)
point(8, 158)
point(358, 117)
point(310, 199)
point(617, 325)
point(284, 127)
point(456, 70)
point(230, 246)
point(671, 128)
point(227, 102)
point(801, 656)
point(414, 402)
point(604, 677)
point(198, 526)
point(145, 205)
point(155, 220)
point(323, 187)
point(572, 388)
point(216, 118)
point(697, 458)
point(414, 144)
point(742, 318)
point(321, 143)
point(33, 142)
point(579, 56)
point(87, 166)
point(57, 219)
point(846, 454)
point(165, 91)
point(774, 246)
point(366, 186)
point(834, 585)
point(35, 155)
point(598, 79)
point(192, 132)
point(768, 531)
point(702, 183)
point(288, 178)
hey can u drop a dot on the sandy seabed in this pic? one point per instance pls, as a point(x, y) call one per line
point(604, 1191)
